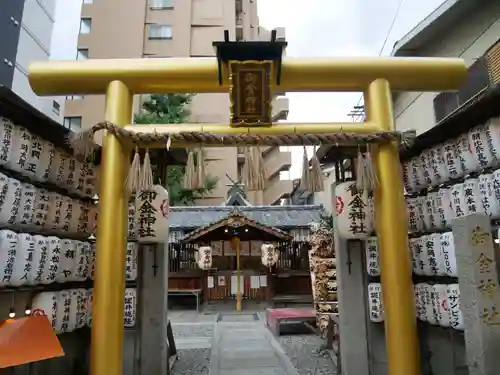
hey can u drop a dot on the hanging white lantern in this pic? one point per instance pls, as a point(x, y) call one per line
point(73, 309)
point(93, 248)
point(8, 246)
point(78, 272)
point(472, 197)
point(67, 263)
point(420, 309)
point(444, 208)
point(433, 156)
point(74, 221)
point(424, 259)
point(90, 298)
point(62, 168)
point(414, 224)
point(131, 221)
point(440, 168)
point(74, 168)
point(432, 251)
point(88, 260)
point(426, 163)
point(420, 205)
point(90, 187)
point(51, 268)
point(152, 208)
point(55, 214)
point(34, 154)
point(63, 311)
point(5, 206)
point(46, 161)
point(452, 160)
point(479, 145)
point(492, 130)
point(81, 175)
point(94, 216)
point(204, 257)
point(487, 196)
point(448, 254)
point(84, 219)
point(24, 259)
point(353, 217)
point(130, 307)
point(465, 155)
point(430, 314)
point(453, 300)
point(458, 200)
point(45, 303)
point(417, 173)
point(25, 214)
point(79, 306)
point(410, 184)
point(42, 203)
point(6, 134)
point(372, 256)
point(40, 259)
point(429, 213)
point(95, 175)
point(434, 199)
point(67, 213)
point(269, 255)
point(416, 246)
point(371, 210)
point(375, 303)
point(21, 139)
point(131, 261)
point(11, 205)
point(440, 303)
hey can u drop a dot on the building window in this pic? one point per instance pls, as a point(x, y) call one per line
point(159, 32)
point(161, 4)
point(82, 54)
point(56, 107)
point(85, 26)
point(73, 123)
point(88, 1)
point(74, 97)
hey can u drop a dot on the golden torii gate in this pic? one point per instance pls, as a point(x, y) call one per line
point(119, 79)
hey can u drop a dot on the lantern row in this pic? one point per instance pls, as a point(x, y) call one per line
point(39, 160)
point(437, 304)
point(431, 255)
point(437, 210)
point(26, 207)
point(71, 309)
point(472, 152)
point(35, 260)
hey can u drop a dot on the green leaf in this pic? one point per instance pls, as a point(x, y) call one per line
point(173, 109)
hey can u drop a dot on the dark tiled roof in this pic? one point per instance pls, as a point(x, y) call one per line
point(274, 216)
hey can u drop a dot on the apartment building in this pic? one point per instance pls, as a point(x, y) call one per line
point(179, 28)
point(458, 28)
point(26, 32)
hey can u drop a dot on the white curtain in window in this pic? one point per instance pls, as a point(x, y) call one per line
point(160, 31)
point(161, 3)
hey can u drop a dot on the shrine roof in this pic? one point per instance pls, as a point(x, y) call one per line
point(236, 224)
point(272, 216)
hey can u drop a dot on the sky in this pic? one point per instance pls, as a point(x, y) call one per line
point(313, 28)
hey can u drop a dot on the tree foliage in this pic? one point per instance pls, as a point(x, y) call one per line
point(173, 109)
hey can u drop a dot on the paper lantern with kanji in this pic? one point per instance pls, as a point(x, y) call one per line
point(152, 209)
point(269, 255)
point(353, 219)
point(453, 301)
point(205, 257)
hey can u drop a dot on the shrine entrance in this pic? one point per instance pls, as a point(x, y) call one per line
point(237, 271)
point(251, 73)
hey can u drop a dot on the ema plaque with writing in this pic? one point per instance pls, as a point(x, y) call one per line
point(250, 92)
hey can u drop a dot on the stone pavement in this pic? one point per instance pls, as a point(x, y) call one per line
point(242, 345)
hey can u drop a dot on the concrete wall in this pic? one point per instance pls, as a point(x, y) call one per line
point(34, 44)
point(468, 39)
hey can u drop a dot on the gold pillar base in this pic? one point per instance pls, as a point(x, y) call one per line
point(239, 302)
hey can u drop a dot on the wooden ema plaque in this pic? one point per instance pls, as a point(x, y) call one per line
point(250, 92)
